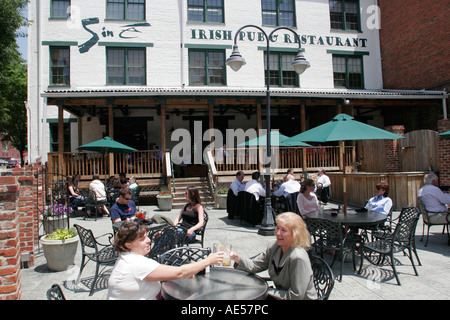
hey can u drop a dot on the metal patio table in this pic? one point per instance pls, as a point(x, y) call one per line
point(360, 219)
point(220, 283)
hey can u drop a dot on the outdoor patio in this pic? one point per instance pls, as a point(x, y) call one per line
point(374, 283)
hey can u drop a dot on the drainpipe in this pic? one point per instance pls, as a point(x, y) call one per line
point(27, 106)
point(182, 22)
point(444, 104)
point(39, 138)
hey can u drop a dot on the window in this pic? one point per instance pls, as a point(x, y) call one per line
point(281, 73)
point(126, 66)
point(207, 67)
point(278, 13)
point(344, 14)
point(60, 9)
point(59, 66)
point(54, 145)
point(205, 10)
point(125, 9)
point(348, 72)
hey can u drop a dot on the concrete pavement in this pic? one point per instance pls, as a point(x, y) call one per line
point(374, 283)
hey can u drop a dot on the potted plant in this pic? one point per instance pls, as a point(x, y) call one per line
point(55, 217)
point(222, 198)
point(165, 200)
point(60, 248)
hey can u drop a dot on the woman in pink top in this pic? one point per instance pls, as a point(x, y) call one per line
point(307, 200)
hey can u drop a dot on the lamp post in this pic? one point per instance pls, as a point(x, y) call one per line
point(235, 62)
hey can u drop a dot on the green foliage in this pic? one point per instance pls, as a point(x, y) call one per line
point(63, 234)
point(222, 191)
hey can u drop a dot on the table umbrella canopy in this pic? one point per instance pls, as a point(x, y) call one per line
point(445, 135)
point(276, 139)
point(343, 128)
point(106, 145)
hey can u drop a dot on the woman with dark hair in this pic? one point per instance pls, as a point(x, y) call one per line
point(307, 200)
point(136, 277)
point(381, 201)
point(191, 216)
point(74, 194)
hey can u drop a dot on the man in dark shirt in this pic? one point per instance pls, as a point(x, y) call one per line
point(124, 208)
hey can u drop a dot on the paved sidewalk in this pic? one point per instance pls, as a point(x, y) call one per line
point(374, 283)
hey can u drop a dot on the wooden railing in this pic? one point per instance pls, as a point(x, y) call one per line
point(144, 164)
point(140, 164)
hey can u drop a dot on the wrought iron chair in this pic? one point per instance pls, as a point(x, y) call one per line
point(135, 195)
point(426, 221)
point(402, 238)
point(183, 255)
point(55, 293)
point(323, 277)
point(101, 254)
point(200, 233)
point(165, 239)
point(329, 236)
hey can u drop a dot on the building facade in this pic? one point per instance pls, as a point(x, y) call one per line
point(136, 70)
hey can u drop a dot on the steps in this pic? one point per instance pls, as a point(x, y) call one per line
point(201, 183)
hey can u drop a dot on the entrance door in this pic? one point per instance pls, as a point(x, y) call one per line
point(132, 132)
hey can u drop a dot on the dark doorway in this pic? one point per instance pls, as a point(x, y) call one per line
point(132, 132)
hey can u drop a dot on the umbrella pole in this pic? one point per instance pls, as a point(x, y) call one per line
point(344, 178)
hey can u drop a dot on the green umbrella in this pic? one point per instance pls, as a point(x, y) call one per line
point(342, 128)
point(106, 145)
point(276, 139)
point(445, 135)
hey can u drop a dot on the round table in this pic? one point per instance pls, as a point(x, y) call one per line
point(221, 283)
point(359, 219)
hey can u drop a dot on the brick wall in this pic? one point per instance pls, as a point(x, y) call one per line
point(444, 154)
point(414, 44)
point(18, 228)
point(392, 149)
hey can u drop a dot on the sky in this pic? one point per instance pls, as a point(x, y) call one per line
point(22, 41)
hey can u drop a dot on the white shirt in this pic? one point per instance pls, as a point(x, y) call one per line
point(287, 187)
point(237, 186)
point(255, 188)
point(99, 189)
point(127, 278)
point(306, 206)
point(382, 204)
point(324, 181)
point(433, 198)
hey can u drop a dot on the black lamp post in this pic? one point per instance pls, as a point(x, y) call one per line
point(235, 62)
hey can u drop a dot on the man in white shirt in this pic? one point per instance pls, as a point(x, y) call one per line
point(289, 186)
point(100, 193)
point(434, 199)
point(238, 183)
point(255, 187)
point(323, 186)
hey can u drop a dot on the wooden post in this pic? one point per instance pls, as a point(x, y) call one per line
point(111, 135)
point(163, 138)
point(61, 168)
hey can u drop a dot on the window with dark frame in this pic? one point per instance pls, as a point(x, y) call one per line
point(60, 66)
point(126, 66)
point(344, 14)
point(281, 73)
point(125, 10)
point(205, 11)
point(348, 72)
point(278, 13)
point(60, 9)
point(206, 67)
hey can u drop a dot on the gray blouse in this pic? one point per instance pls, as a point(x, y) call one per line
point(292, 274)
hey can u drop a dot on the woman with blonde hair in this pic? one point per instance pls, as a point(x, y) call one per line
point(286, 260)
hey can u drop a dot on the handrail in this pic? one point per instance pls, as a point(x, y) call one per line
point(212, 174)
point(169, 171)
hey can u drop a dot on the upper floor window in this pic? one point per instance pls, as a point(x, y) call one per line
point(59, 66)
point(126, 66)
point(278, 13)
point(125, 9)
point(281, 73)
point(206, 67)
point(205, 10)
point(348, 72)
point(60, 9)
point(344, 14)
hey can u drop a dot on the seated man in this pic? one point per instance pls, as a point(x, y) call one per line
point(323, 186)
point(238, 183)
point(124, 208)
point(255, 187)
point(434, 199)
point(289, 186)
point(100, 194)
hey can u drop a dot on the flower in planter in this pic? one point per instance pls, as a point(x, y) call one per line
point(63, 234)
point(56, 210)
point(222, 191)
point(165, 193)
